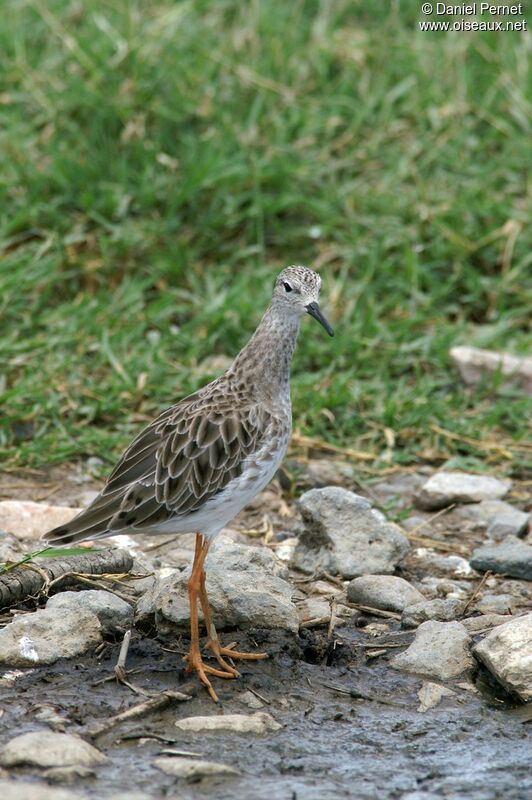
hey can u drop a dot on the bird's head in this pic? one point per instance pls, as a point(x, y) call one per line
point(297, 292)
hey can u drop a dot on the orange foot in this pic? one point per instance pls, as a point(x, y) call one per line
point(195, 662)
point(219, 652)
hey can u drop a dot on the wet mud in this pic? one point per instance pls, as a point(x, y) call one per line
point(351, 725)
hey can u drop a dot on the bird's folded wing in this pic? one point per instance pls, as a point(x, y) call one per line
point(188, 455)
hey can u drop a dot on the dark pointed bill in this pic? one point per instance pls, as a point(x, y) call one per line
point(314, 310)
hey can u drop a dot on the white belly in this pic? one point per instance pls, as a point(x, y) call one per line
point(220, 509)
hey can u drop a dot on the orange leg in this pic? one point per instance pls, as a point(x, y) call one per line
point(194, 659)
point(213, 643)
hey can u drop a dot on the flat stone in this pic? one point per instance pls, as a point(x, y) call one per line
point(68, 775)
point(499, 604)
point(475, 364)
point(47, 635)
point(512, 522)
point(128, 795)
point(249, 699)
point(193, 768)
point(48, 749)
point(446, 588)
point(383, 591)
point(345, 536)
point(24, 790)
point(28, 520)
point(510, 557)
point(481, 514)
point(440, 651)
point(445, 488)
point(115, 615)
point(442, 610)
point(431, 694)
point(245, 590)
point(507, 652)
point(434, 563)
point(313, 607)
point(497, 517)
point(399, 488)
point(258, 723)
point(484, 621)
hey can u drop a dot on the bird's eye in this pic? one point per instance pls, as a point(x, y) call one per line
point(287, 286)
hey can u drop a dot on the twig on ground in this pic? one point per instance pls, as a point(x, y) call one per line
point(146, 707)
point(377, 612)
point(260, 696)
point(83, 578)
point(332, 618)
point(357, 694)
point(376, 645)
point(432, 517)
point(120, 667)
point(475, 593)
point(318, 576)
point(109, 678)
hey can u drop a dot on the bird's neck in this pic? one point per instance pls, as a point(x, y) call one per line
point(266, 359)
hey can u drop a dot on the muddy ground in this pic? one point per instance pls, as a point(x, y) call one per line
point(332, 745)
point(352, 727)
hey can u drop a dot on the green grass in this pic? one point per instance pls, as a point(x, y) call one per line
point(161, 161)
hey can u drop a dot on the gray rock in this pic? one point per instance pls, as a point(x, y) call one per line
point(511, 522)
point(345, 536)
point(495, 603)
point(510, 557)
point(484, 621)
point(23, 790)
point(438, 609)
point(445, 488)
point(399, 488)
point(434, 563)
point(383, 591)
point(507, 652)
point(249, 699)
point(420, 796)
point(258, 723)
point(193, 768)
point(444, 587)
point(245, 589)
point(481, 514)
point(47, 635)
point(115, 615)
point(440, 651)
point(430, 695)
point(473, 364)
point(128, 795)
point(69, 775)
point(497, 517)
point(48, 749)
point(313, 607)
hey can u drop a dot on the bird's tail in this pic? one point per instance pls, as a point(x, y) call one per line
point(92, 523)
